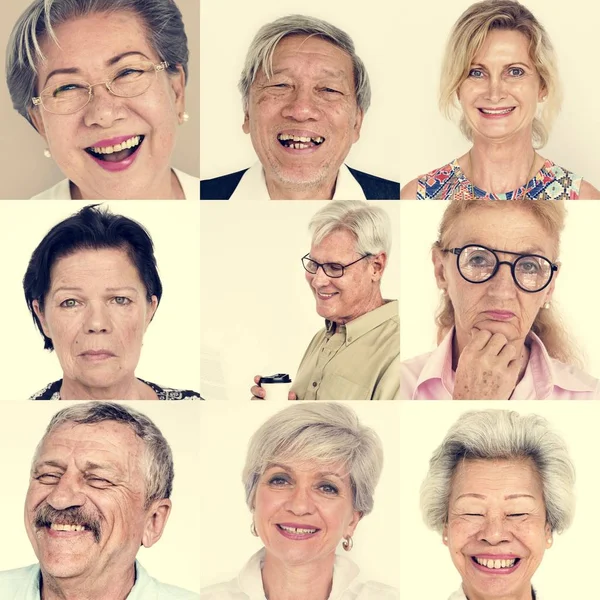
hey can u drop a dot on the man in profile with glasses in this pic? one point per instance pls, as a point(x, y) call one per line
point(356, 356)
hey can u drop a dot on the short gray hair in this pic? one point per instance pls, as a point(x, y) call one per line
point(162, 19)
point(370, 225)
point(157, 462)
point(260, 53)
point(324, 432)
point(501, 435)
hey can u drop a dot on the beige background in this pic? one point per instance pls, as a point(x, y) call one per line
point(26, 171)
point(227, 29)
point(569, 568)
point(258, 313)
point(429, 141)
point(572, 295)
point(170, 355)
point(174, 558)
point(225, 519)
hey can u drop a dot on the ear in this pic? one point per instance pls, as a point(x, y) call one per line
point(246, 124)
point(543, 93)
point(439, 268)
point(445, 535)
point(35, 113)
point(358, 123)
point(156, 519)
point(548, 534)
point(40, 315)
point(152, 306)
point(378, 263)
point(177, 81)
point(356, 517)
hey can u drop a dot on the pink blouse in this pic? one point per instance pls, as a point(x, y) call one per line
point(430, 376)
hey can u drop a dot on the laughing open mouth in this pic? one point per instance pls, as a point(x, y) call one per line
point(299, 142)
point(496, 111)
point(490, 563)
point(117, 152)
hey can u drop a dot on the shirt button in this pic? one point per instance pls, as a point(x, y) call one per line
point(314, 384)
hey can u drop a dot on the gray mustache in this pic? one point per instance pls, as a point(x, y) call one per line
point(46, 515)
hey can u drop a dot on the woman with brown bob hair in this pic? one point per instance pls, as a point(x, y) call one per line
point(500, 75)
point(499, 337)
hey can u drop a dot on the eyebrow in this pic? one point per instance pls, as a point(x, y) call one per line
point(109, 63)
point(124, 288)
point(49, 463)
point(338, 73)
point(511, 64)
point(482, 497)
point(528, 250)
point(288, 468)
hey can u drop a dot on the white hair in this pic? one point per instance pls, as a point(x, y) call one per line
point(501, 435)
point(323, 432)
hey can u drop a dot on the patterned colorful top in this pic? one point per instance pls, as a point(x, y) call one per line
point(551, 182)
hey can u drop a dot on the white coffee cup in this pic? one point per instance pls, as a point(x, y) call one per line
point(276, 387)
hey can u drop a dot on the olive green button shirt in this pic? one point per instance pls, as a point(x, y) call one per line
point(356, 361)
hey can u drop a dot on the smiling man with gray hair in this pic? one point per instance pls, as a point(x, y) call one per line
point(100, 484)
point(305, 93)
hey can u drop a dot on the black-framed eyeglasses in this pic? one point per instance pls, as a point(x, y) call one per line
point(478, 264)
point(68, 96)
point(330, 269)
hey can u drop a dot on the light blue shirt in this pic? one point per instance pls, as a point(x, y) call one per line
point(24, 584)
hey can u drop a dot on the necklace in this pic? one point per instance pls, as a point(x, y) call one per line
point(522, 190)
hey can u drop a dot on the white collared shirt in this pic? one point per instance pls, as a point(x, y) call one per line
point(24, 584)
point(248, 584)
point(253, 186)
point(62, 190)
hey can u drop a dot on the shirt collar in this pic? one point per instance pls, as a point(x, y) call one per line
point(543, 373)
point(250, 578)
point(356, 328)
point(252, 185)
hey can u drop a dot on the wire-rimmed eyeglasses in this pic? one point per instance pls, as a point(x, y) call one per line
point(330, 269)
point(73, 94)
point(478, 264)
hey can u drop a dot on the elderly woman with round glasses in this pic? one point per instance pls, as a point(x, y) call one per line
point(500, 74)
point(310, 476)
point(499, 336)
point(499, 486)
point(103, 82)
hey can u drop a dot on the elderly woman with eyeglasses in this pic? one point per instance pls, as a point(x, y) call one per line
point(356, 356)
point(103, 82)
point(499, 337)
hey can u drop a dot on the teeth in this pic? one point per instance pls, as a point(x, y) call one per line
point(130, 143)
point(63, 527)
point(495, 564)
point(299, 139)
point(496, 112)
point(297, 530)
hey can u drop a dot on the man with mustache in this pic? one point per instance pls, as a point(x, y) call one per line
point(99, 488)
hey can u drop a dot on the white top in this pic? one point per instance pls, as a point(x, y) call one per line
point(24, 584)
point(248, 584)
point(62, 190)
point(253, 186)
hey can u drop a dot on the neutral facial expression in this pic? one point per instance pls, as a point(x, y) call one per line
point(87, 495)
point(342, 299)
point(497, 305)
point(500, 95)
point(304, 119)
point(93, 49)
point(497, 531)
point(96, 313)
point(302, 511)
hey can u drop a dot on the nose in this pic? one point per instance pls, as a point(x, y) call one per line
point(300, 501)
point(97, 319)
point(319, 279)
point(301, 105)
point(494, 530)
point(502, 284)
point(104, 108)
point(496, 88)
point(66, 493)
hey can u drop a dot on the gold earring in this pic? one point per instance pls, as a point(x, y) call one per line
point(347, 543)
point(47, 153)
point(253, 529)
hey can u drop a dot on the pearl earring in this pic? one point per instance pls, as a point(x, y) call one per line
point(47, 153)
point(546, 305)
point(445, 538)
point(184, 117)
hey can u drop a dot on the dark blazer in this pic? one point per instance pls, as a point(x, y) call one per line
point(374, 188)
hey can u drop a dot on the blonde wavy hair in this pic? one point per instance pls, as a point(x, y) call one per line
point(468, 36)
point(548, 325)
